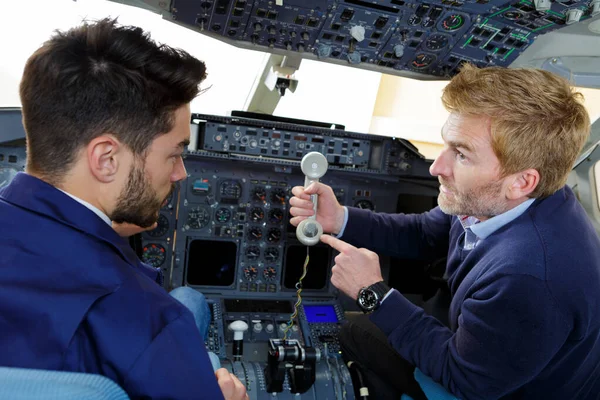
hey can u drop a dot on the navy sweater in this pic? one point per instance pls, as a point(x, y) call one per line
point(525, 311)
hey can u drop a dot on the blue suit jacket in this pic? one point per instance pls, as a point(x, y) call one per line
point(75, 297)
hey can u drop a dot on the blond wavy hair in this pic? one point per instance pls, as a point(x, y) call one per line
point(538, 120)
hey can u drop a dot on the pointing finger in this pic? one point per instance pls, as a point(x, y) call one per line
point(337, 244)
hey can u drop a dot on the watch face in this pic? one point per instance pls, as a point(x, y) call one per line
point(367, 300)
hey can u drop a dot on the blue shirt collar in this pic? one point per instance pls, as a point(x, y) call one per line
point(485, 228)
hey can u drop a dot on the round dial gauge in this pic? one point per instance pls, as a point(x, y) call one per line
point(230, 191)
point(250, 273)
point(274, 235)
point(223, 215)
point(252, 253)
point(197, 218)
point(259, 194)
point(162, 227)
point(453, 22)
point(257, 214)
point(254, 233)
point(422, 61)
point(428, 22)
point(276, 216)
point(436, 42)
point(271, 254)
point(269, 273)
point(364, 204)
point(7, 175)
point(154, 255)
point(278, 196)
point(512, 15)
point(414, 20)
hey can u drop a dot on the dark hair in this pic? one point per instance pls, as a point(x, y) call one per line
point(101, 78)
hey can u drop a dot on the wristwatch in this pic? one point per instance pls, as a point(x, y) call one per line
point(370, 297)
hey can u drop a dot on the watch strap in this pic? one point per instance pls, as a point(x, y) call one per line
point(380, 289)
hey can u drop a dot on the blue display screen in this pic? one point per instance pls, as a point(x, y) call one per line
point(325, 313)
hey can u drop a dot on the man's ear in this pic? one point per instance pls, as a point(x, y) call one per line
point(104, 155)
point(522, 184)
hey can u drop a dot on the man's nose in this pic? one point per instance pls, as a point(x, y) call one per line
point(441, 166)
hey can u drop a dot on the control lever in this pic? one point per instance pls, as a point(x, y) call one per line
point(238, 328)
point(289, 357)
point(313, 165)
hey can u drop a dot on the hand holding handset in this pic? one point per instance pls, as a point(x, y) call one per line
point(313, 165)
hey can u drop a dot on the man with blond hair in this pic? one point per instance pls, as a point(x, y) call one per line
point(523, 260)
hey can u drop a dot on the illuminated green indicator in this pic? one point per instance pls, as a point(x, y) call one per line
point(541, 27)
point(508, 54)
point(501, 11)
point(453, 22)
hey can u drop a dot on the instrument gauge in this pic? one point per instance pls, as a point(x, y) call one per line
point(428, 22)
point(453, 22)
point(161, 229)
point(230, 191)
point(276, 216)
point(197, 218)
point(250, 273)
point(257, 214)
point(252, 253)
point(512, 15)
point(414, 20)
point(154, 255)
point(278, 196)
point(422, 61)
point(269, 274)
point(436, 42)
point(255, 234)
point(259, 194)
point(274, 235)
point(271, 254)
point(223, 215)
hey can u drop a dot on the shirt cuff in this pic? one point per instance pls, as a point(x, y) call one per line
point(386, 295)
point(339, 235)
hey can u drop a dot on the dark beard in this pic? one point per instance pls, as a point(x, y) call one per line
point(138, 203)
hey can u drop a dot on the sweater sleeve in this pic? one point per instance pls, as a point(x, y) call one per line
point(508, 330)
point(418, 236)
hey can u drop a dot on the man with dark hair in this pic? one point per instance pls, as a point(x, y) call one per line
point(523, 259)
point(106, 113)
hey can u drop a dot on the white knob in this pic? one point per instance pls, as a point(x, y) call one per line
point(269, 328)
point(282, 326)
point(257, 327)
point(542, 5)
point(574, 15)
point(398, 50)
point(238, 328)
point(595, 6)
point(295, 328)
point(358, 33)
